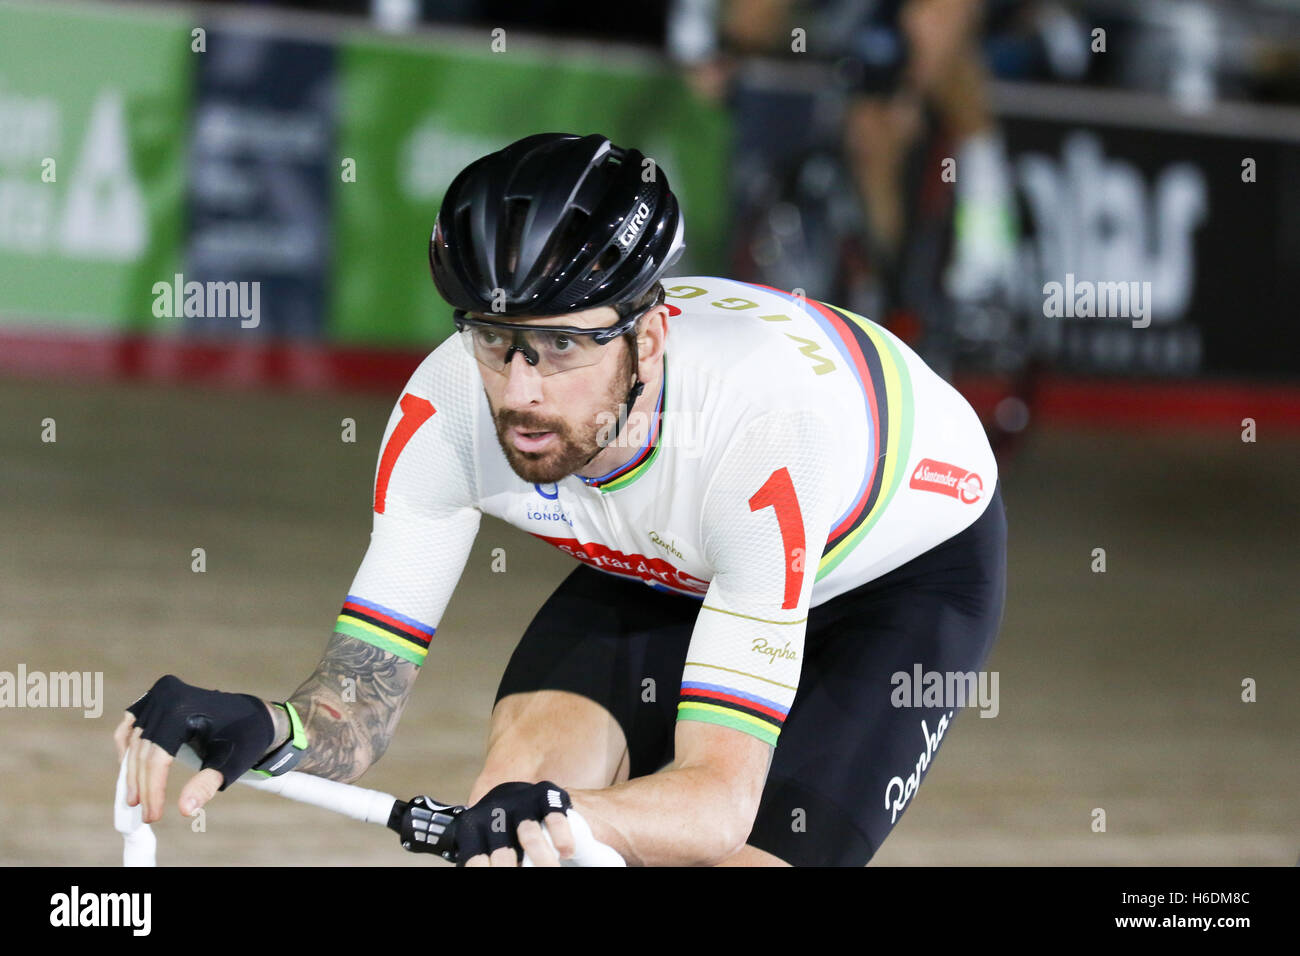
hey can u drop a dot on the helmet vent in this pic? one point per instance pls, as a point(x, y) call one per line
point(607, 259)
point(516, 216)
point(468, 259)
point(566, 242)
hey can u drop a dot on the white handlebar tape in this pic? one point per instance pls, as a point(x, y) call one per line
point(139, 845)
point(587, 850)
point(369, 806)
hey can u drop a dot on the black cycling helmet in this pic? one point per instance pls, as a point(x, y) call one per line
point(559, 223)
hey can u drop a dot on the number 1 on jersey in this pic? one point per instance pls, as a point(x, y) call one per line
point(778, 493)
point(415, 412)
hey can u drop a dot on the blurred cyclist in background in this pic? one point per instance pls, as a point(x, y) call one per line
point(895, 58)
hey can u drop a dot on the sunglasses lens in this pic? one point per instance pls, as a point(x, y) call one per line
point(551, 352)
point(560, 351)
point(489, 346)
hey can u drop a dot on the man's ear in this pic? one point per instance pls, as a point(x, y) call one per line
point(653, 326)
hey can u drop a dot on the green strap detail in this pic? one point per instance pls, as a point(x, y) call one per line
point(295, 723)
point(297, 736)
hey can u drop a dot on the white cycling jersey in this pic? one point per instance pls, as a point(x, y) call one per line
point(798, 451)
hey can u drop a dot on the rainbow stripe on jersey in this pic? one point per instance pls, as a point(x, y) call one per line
point(384, 628)
point(718, 704)
point(881, 373)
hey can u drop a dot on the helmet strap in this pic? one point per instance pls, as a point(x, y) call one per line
point(624, 409)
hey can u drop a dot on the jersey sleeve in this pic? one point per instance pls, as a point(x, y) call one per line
point(765, 520)
point(424, 508)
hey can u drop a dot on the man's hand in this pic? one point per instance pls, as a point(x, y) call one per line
point(146, 774)
point(696, 812)
point(231, 732)
point(533, 842)
point(508, 821)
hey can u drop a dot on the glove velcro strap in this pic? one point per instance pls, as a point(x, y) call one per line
point(285, 757)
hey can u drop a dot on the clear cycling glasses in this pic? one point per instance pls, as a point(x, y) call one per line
point(548, 348)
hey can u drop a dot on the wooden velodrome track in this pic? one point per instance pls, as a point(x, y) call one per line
point(1119, 690)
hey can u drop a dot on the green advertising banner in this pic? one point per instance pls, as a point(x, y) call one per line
point(93, 116)
point(412, 117)
point(104, 188)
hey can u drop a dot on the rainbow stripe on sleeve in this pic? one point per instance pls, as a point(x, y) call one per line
point(384, 628)
point(729, 707)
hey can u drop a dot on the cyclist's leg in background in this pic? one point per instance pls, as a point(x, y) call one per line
point(882, 122)
point(946, 66)
point(879, 132)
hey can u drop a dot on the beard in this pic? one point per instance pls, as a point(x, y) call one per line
point(572, 448)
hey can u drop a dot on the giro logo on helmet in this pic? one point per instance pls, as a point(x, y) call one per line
point(639, 216)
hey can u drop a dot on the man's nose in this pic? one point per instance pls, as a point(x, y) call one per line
point(523, 381)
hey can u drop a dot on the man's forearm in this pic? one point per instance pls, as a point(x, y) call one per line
point(687, 816)
point(349, 708)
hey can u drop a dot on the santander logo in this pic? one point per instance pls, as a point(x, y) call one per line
point(945, 479)
point(632, 565)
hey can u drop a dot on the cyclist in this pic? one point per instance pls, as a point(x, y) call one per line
point(774, 504)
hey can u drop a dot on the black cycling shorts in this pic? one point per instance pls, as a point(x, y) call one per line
point(839, 778)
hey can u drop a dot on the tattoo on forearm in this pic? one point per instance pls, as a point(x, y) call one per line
point(350, 707)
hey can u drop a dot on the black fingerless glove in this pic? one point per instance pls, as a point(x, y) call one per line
point(229, 732)
point(491, 823)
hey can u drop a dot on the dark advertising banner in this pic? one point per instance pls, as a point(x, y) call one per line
point(1159, 252)
point(260, 187)
point(1152, 243)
